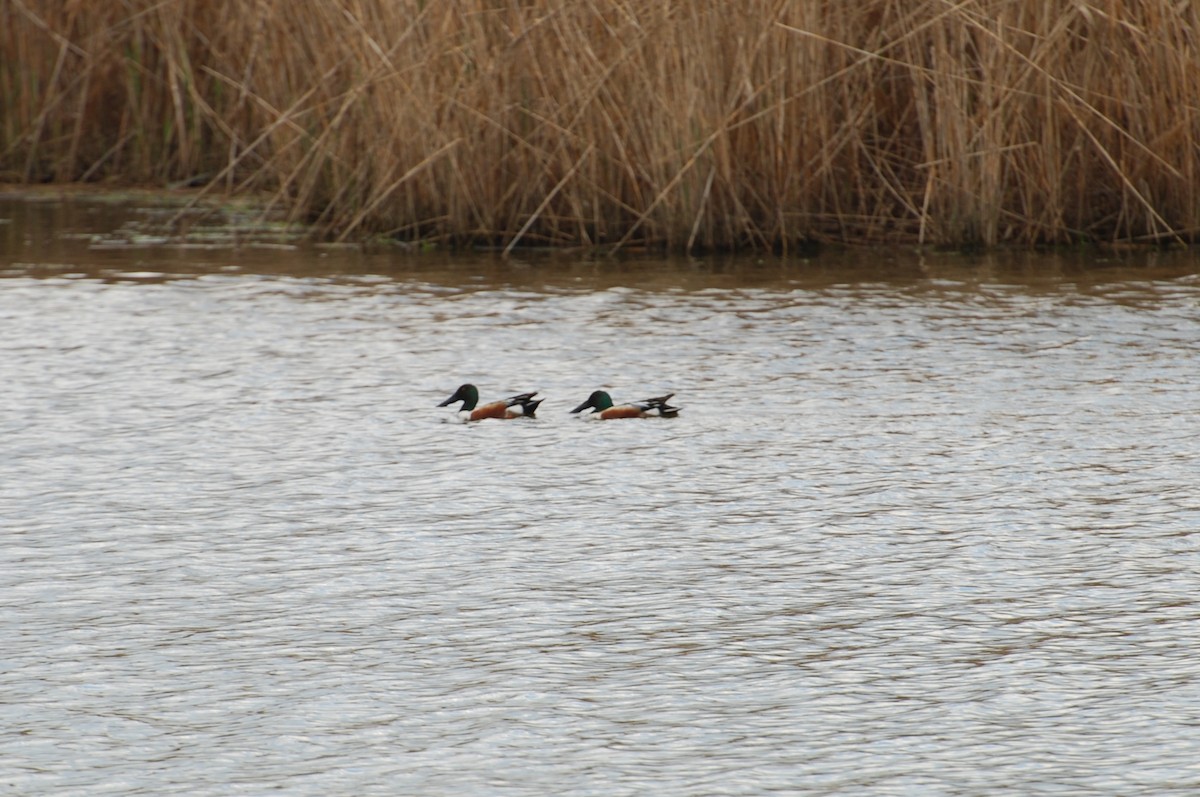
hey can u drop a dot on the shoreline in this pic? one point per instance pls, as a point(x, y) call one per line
point(757, 127)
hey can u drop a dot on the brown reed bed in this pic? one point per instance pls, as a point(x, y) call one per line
point(757, 124)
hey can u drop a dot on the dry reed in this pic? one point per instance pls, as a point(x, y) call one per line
point(761, 124)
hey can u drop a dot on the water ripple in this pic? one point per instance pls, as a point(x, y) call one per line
point(931, 538)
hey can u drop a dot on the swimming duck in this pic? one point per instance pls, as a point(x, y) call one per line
point(519, 406)
point(604, 409)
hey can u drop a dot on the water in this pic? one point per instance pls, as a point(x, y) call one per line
point(925, 526)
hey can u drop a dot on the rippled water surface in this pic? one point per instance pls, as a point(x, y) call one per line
point(925, 526)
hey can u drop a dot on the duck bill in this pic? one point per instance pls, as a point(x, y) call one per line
point(583, 406)
point(449, 401)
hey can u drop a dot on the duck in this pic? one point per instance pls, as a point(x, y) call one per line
point(518, 406)
point(604, 409)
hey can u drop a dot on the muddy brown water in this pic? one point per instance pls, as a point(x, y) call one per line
point(927, 524)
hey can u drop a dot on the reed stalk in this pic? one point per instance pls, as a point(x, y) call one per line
point(754, 124)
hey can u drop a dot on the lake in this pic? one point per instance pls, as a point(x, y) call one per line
point(927, 524)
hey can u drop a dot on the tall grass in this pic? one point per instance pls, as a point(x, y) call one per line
point(758, 124)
